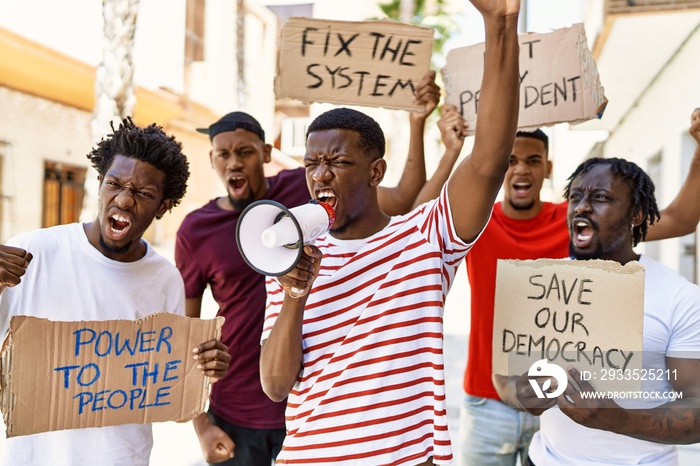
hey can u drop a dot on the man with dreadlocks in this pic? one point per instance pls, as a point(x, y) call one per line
point(523, 227)
point(611, 204)
point(103, 270)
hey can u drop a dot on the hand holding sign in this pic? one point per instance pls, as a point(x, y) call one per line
point(453, 128)
point(213, 359)
point(586, 410)
point(529, 398)
point(427, 95)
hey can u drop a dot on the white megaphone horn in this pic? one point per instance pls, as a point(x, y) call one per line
point(271, 237)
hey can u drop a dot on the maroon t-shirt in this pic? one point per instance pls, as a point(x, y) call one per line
point(206, 254)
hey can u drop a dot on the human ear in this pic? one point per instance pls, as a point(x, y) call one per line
point(165, 206)
point(267, 153)
point(377, 172)
point(637, 218)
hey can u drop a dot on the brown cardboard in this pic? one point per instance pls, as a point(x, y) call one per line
point(605, 305)
point(370, 63)
point(44, 364)
point(558, 79)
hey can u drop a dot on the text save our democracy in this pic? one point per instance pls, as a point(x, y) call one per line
point(562, 321)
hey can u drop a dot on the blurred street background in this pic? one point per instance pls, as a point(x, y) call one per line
point(69, 68)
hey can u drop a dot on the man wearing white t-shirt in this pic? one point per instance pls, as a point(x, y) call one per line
point(610, 206)
point(359, 354)
point(103, 270)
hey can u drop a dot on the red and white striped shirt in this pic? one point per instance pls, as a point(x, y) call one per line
point(372, 388)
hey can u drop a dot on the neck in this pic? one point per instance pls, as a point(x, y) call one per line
point(627, 257)
point(521, 214)
point(134, 251)
point(365, 226)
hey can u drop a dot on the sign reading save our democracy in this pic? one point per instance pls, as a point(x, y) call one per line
point(559, 79)
point(370, 63)
point(68, 375)
point(584, 314)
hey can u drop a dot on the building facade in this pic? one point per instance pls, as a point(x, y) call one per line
point(194, 61)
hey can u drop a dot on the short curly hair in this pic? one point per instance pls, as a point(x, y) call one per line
point(148, 144)
point(640, 185)
point(372, 140)
point(536, 134)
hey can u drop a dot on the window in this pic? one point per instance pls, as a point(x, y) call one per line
point(194, 31)
point(293, 136)
point(63, 193)
point(286, 11)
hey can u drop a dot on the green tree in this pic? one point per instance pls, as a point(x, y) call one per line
point(428, 13)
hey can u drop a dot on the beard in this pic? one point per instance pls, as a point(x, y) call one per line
point(240, 204)
point(528, 206)
point(598, 250)
point(595, 251)
point(114, 249)
point(341, 227)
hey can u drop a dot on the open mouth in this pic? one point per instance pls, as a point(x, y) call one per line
point(237, 185)
point(118, 227)
point(582, 233)
point(327, 196)
point(521, 189)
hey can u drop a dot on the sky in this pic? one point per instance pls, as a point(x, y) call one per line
point(541, 16)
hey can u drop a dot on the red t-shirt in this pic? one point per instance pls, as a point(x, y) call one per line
point(206, 254)
point(543, 237)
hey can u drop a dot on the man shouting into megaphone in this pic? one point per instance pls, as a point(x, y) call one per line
point(206, 254)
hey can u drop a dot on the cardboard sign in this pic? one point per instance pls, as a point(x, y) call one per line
point(584, 314)
point(70, 375)
point(558, 80)
point(371, 63)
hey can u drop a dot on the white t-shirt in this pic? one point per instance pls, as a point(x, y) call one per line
point(671, 328)
point(372, 387)
point(69, 280)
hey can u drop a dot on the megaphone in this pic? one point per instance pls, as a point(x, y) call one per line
point(271, 237)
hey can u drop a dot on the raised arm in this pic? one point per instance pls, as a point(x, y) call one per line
point(682, 215)
point(473, 186)
point(399, 200)
point(453, 130)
